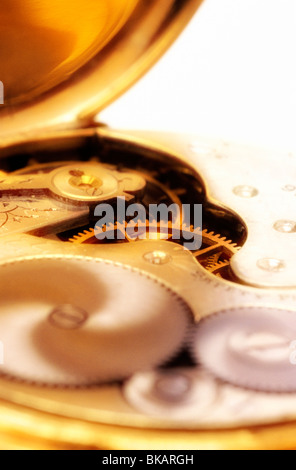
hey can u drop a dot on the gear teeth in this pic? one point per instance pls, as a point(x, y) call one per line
point(132, 223)
point(215, 267)
point(77, 238)
point(213, 260)
point(213, 263)
point(74, 239)
point(219, 344)
point(164, 322)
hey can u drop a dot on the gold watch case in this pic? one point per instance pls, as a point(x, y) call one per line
point(61, 64)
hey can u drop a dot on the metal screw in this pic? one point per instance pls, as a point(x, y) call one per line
point(271, 264)
point(245, 191)
point(200, 149)
point(289, 188)
point(172, 386)
point(84, 181)
point(285, 226)
point(157, 257)
point(67, 317)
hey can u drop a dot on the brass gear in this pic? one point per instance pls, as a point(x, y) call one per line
point(214, 254)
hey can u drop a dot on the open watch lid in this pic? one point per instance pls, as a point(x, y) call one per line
point(62, 62)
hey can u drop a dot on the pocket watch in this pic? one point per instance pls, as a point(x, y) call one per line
point(121, 328)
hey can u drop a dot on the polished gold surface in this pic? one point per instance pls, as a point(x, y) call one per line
point(63, 62)
point(55, 433)
point(45, 41)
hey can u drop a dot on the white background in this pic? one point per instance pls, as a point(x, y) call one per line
point(230, 75)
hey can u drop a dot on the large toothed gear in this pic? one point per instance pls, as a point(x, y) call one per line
point(80, 321)
point(214, 254)
point(249, 347)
